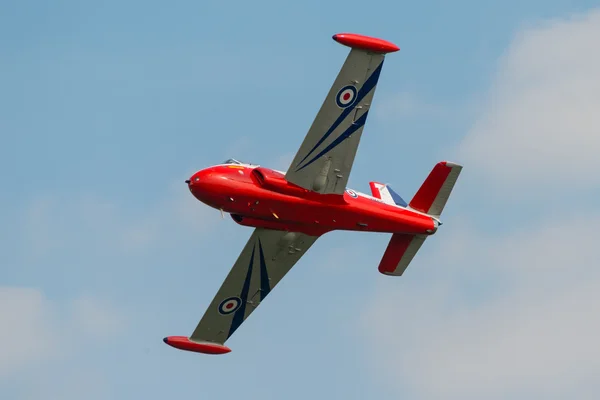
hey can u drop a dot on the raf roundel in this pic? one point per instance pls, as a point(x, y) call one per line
point(346, 96)
point(352, 193)
point(230, 305)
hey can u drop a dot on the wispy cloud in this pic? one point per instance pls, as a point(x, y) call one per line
point(541, 113)
point(58, 222)
point(512, 314)
point(27, 333)
point(97, 318)
point(36, 329)
point(404, 105)
point(531, 330)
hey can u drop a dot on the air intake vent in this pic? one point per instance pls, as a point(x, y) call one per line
point(259, 176)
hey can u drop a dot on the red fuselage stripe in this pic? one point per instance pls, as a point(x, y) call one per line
point(262, 197)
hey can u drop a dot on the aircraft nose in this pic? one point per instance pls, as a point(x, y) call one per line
point(194, 180)
point(200, 180)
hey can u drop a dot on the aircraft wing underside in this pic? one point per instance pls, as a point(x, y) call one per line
point(324, 160)
point(264, 261)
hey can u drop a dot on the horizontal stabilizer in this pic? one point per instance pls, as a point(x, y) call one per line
point(435, 190)
point(399, 253)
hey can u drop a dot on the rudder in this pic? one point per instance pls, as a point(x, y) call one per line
point(433, 194)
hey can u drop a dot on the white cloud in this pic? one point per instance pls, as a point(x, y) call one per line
point(517, 314)
point(534, 332)
point(541, 121)
point(55, 223)
point(402, 105)
point(35, 329)
point(74, 383)
point(27, 333)
point(96, 318)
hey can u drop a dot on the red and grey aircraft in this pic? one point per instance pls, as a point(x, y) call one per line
point(290, 210)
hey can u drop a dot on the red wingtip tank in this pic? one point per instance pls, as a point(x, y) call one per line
point(365, 43)
point(184, 343)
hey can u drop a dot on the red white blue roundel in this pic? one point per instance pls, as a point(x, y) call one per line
point(230, 305)
point(346, 96)
point(351, 192)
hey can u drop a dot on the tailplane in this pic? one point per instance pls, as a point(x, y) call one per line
point(435, 190)
point(400, 252)
point(430, 199)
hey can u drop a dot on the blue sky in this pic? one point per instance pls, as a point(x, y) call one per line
point(106, 108)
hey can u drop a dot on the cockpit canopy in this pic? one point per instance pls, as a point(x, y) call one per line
point(236, 162)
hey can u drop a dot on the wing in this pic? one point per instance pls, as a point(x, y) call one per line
point(264, 261)
point(325, 158)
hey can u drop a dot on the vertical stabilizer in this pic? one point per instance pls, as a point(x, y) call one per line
point(435, 190)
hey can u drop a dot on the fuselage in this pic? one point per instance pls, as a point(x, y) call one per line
point(260, 197)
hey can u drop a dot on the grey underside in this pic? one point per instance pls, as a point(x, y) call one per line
point(250, 279)
point(335, 165)
point(281, 251)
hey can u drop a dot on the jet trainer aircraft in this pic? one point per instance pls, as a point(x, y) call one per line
point(291, 210)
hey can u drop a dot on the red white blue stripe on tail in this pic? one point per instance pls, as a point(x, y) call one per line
point(385, 193)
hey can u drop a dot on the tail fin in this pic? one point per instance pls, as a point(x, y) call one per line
point(435, 190)
point(399, 253)
point(385, 193)
point(430, 199)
